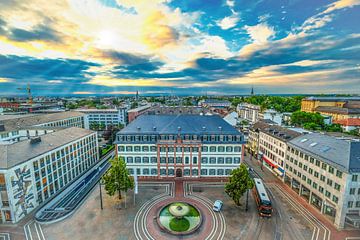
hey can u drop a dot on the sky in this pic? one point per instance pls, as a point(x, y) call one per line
point(187, 47)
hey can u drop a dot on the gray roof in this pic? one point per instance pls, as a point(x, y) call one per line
point(340, 153)
point(28, 120)
point(19, 152)
point(169, 124)
point(330, 99)
point(281, 133)
point(139, 109)
point(338, 110)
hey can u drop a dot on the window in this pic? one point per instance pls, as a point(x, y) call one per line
point(212, 172)
point(338, 173)
point(146, 171)
point(178, 160)
point(321, 189)
point(331, 170)
point(212, 160)
point(323, 166)
point(186, 172)
point(204, 149)
point(237, 149)
point(220, 160)
point(170, 160)
point(236, 160)
point(228, 160)
point(354, 178)
point(352, 191)
point(357, 204)
point(203, 171)
point(137, 159)
point(221, 149)
point(329, 182)
point(194, 160)
point(212, 149)
point(129, 148)
point(195, 172)
point(337, 186)
point(137, 149)
point(129, 160)
point(227, 171)
point(162, 160)
point(162, 172)
point(153, 148)
point(335, 199)
point(229, 149)
point(327, 194)
point(322, 178)
point(145, 160)
point(153, 160)
point(204, 160)
point(220, 172)
point(317, 163)
point(171, 172)
point(350, 204)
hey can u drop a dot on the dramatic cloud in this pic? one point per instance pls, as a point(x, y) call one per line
point(179, 47)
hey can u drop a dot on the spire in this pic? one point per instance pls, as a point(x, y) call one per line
point(137, 96)
point(252, 90)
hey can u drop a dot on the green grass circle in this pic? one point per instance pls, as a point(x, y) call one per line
point(179, 224)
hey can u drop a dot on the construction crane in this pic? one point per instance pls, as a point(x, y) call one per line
point(28, 90)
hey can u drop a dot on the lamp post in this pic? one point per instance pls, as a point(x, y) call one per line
point(247, 200)
point(101, 201)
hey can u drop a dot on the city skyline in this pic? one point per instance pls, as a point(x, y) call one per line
point(179, 47)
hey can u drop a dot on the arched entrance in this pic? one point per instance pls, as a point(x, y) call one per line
point(179, 172)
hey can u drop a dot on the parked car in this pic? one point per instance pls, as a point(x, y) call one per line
point(217, 205)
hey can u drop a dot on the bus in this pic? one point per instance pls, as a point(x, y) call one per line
point(262, 199)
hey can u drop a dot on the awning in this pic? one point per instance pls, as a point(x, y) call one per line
point(269, 162)
point(281, 170)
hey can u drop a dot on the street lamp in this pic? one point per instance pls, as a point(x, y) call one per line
point(101, 200)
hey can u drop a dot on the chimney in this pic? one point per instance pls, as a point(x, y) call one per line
point(154, 128)
point(35, 140)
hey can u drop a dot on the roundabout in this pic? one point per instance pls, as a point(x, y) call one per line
point(178, 214)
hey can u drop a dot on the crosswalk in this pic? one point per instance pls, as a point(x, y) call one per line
point(5, 236)
point(33, 231)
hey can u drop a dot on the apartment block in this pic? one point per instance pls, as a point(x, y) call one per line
point(249, 112)
point(326, 171)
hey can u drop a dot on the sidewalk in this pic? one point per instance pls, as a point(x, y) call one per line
point(269, 177)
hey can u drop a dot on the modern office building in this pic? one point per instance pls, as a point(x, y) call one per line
point(104, 117)
point(15, 128)
point(249, 112)
point(326, 171)
point(34, 170)
point(180, 146)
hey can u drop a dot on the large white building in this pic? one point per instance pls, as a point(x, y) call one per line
point(180, 146)
point(249, 112)
point(326, 171)
point(32, 171)
point(105, 116)
point(14, 128)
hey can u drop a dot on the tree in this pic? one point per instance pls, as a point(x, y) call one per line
point(239, 182)
point(117, 178)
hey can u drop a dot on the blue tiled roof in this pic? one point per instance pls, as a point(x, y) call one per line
point(183, 124)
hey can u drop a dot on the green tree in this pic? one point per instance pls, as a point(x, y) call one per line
point(117, 178)
point(239, 182)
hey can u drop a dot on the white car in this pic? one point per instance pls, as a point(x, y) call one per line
point(217, 205)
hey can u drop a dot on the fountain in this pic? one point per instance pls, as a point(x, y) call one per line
point(179, 218)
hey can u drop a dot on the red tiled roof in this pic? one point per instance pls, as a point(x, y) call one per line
point(349, 122)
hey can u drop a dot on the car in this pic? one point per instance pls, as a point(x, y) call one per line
point(217, 205)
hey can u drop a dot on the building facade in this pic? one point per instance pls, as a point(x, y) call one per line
point(249, 112)
point(32, 171)
point(104, 117)
point(336, 107)
point(180, 146)
point(134, 113)
point(269, 144)
point(326, 171)
point(14, 128)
